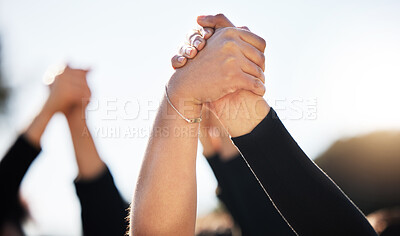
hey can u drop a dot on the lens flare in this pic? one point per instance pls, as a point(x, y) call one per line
point(52, 72)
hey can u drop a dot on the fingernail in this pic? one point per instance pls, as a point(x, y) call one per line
point(203, 32)
point(196, 43)
point(201, 17)
point(188, 51)
point(180, 59)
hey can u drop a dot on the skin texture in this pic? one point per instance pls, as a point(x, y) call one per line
point(88, 160)
point(165, 196)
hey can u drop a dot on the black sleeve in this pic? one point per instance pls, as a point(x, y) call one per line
point(245, 200)
point(309, 200)
point(224, 191)
point(13, 167)
point(104, 211)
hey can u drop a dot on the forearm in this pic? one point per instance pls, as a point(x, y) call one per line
point(165, 197)
point(89, 162)
point(103, 210)
point(15, 164)
point(306, 197)
point(250, 206)
point(35, 130)
point(309, 200)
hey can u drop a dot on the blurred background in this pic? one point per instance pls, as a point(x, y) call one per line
point(332, 72)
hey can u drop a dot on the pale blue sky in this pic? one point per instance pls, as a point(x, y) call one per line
point(342, 56)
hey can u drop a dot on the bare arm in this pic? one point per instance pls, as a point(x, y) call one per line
point(241, 112)
point(35, 130)
point(165, 199)
point(89, 162)
point(103, 210)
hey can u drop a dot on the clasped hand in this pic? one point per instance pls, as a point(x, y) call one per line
point(226, 75)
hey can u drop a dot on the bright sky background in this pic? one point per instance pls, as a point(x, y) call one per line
point(341, 56)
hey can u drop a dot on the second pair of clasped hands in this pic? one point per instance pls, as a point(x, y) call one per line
point(222, 68)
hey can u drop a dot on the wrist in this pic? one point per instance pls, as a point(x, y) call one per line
point(182, 100)
point(186, 109)
point(177, 86)
point(77, 113)
point(48, 109)
point(242, 113)
point(208, 148)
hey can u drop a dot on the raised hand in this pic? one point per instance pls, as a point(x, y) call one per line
point(231, 61)
point(68, 90)
point(222, 67)
point(241, 111)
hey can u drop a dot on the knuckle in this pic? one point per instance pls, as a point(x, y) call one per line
point(191, 33)
point(260, 61)
point(263, 43)
point(230, 61)
point(229, 90)
point(196, 37)
point(262, 75)
point(231, 76)
point(229, 44)
point(206, 32)
point(229, 31)
point(258, 85)
point(262, 58)
point(259, 72)
point(173, 59)
point(262, 89)
point(220, 16)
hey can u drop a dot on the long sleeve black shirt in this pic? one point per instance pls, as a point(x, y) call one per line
point(308, 199)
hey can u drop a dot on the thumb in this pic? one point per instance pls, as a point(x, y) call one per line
point(216, 22)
